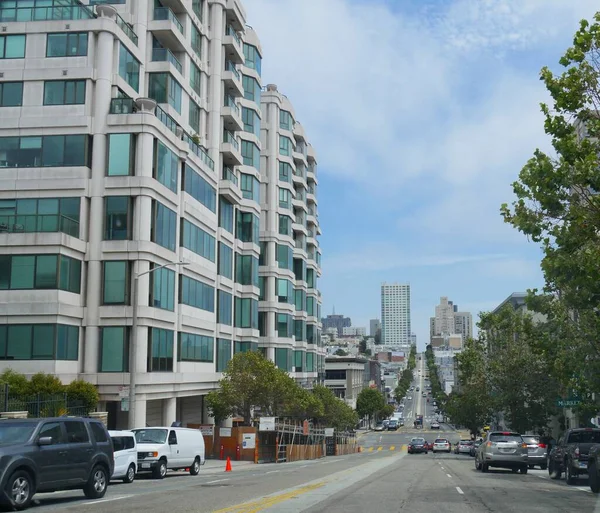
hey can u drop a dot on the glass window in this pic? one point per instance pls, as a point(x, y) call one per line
point(164, 226)
point(262, 259)
point(11, 94)
point(299, 269)
point(121, 154)
point(285, 172)
point(64, 92)
point(285, 146)
point(251, 154)
point(65, 44)
point(46, 271)
point(117, 217)
point(311, 333)
point(129, 68)
point(197, 240)
point(70, 274)
point(196, 348)
point(197, 294)
point(250, 187)
point(311, 279)
point(262, 324)
point(114, 351)
point(39, 342)
point(299, 360)
point(196, 41)
point(262, 282)
point(224, 308)
point(251, 89)
point(282, 358)
point(225, 264)
point(300, 300)
point(246, 270)
point(284, 325)
point(115, 290)
point(285, 120)
point(252, 57)
point(101, 436)
point(251, 121)
point(166, 166)
point(67, 342)
point(163, 88)
point(22, 272)
point(299, 330)
point(285, 257)
point(197, 187)
point(41, 272)
point(246, 313)
point(285, 291)
point(195, 78)
point(310, 362)
point(197, 8)
point(223, 354)
point(285, 198)
point(248, 227)
point(44, 151)
point(225, 215)
point(194, 116)
point(244, 347)
point(160, 350)
point(162, 289)
point(12, 47)
point(76, 432)
point(310, 306)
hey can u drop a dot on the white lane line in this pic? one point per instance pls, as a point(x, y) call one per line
point(459, 490)
point(583, 489)
point(218, 480)
point(541, 477)
point(441, 467)
point(106, 500)
point(448, 475)
point(271, 472)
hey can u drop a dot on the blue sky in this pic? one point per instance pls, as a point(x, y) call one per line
point(422, 113)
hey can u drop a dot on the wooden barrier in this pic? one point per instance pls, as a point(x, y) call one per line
point(342, 449)
point(304, 452)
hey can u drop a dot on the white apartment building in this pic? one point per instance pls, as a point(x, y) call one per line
point(290, 307)
point(449, 321)
point(132, 137)
point(395, 315)
point(354, 331)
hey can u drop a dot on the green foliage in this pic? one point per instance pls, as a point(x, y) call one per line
point(340, 352)
point(337, 413)
point(434, 379)
point(85, 392)
point(362, 346)
point(17, 382)
point(406, 377)
point(49, 384)
point(218, 405)
point(386, 411)
point(369, 402)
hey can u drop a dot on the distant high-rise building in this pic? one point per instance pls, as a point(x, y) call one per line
point(336, 321)
point(463, 325)
point(374, 326)
point(395, 314)
point(413, 339)
point(449, 321)
point(354, 331)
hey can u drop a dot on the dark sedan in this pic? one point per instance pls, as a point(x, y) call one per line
point(418, 445)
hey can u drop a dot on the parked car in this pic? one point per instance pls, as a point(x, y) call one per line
point(169, 448)
point(474, 447)
point(463, 447)
point(125, 451)
point(401, 422)
point(393, 425)
point(435, 425)
point(379, 426)
point(594, 468)
point(537, 452)
point(385, 423)
point(52, 454)
point(570, 454)
point(417, 445)
point(504, 450)
point(441, 445)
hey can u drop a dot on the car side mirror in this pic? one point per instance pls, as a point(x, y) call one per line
point(45, 440)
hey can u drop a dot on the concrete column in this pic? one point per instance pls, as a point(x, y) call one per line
point(215, 98)
point(169, 411)
point(140, 412)
point(272, 166)
point(102, 95)
point(140, 27)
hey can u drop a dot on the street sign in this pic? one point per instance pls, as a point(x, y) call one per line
point(266, 424)
point(125, 404)
point(123, 392)
point(568, 402)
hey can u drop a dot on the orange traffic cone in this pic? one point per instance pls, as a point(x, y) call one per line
point(228, 465)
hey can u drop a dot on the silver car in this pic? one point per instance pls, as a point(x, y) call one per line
point(502, 449)
point(537, 452)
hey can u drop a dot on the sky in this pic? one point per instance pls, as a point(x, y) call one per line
point(422, 113)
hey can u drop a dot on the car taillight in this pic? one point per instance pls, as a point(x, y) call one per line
point(542, 446)
point(524, 445)
point(489, 444)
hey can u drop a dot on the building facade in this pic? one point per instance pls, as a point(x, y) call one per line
point(395, 315)
point(354, 331)
point(339, 322)
point(134, 203)
point(374, 326)
point(449, 321)
point(345, 376)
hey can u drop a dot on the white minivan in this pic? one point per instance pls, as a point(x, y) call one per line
point(125, 454)
point(172, 448)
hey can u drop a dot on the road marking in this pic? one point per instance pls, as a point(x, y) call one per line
point(219, 480)
point(271, 472)
point(105, 500)
point(459, 490)
point(441, 467)
point(267, 502)
point(371, 449)
point(448, 475)
point(379, 449)
point(392, 447)
point(583, 489)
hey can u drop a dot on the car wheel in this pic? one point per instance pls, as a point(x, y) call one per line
point(160, 471)
point(477, 465)
point(484, 467)
point(571, 477)
point(544, 467)
point(554, 470)
point(19, 489)
point(524, 469)
point(195, 468)
point(531, 466)
point(130, 476)
point(514, 470)
point(593, 478)
point(96, 486)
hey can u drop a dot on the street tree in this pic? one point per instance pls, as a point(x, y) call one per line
point(386, 411)
point(336, 413)
point(369, 402)
point(362, 345)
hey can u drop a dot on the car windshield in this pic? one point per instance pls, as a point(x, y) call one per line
point(441, 441)
point(508, 437)
point(584, 437)
point(150, 436)
point(418, 440)
point(15, 433)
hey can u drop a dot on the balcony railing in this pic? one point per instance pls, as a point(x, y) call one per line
point(228, 137)
point(70, 12)
point(311, 190)
point(230, 102)
point(39, 223)
point(228, 174)
point(164, 54)
point(311, 212)
point(230, 66)
point(164, 13)
point(230, 32)
point(122, 106)
point(167, 120)
point(300, 195)
point(299, 220)
point(311, 233)
point(299, 171)
point(300, 245)
point(128, 29)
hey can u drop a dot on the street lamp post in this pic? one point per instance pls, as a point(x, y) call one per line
point(133, 343)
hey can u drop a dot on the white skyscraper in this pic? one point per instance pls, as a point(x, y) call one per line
point(395, 314)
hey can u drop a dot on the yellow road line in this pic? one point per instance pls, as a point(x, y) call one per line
point(371, 449)
point(379, 448)
point(267, 502)
point(392, 447)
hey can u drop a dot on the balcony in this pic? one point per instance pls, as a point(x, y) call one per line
point(231, 149)
point(233, 80)
point(128, 29)
point(70, 12)
point(299, 226)
point(168, 29)
point(299, 176)
point(232, 45)
point(311, 172)
point(311, 196)
point(122, 106)
point(232, 114)
point(229, 186)
point(299, 155)
point(39, 223)
point(164, 54)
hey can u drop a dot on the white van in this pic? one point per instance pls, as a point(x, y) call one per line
point(125, 455)
point(173, 448)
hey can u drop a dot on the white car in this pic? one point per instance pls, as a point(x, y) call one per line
point(435, 425)
point(125, 457)
point(441, 445)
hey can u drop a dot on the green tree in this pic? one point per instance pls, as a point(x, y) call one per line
point(386, 411)
point(336, 413)
point(85, 392)
point(218, 405)
point(369, 402)
point(362, 345)
point(17, 382)
point(558, 207)
point(340, 352)
point(42, 383)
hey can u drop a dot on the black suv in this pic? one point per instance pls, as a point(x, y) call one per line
point(51, 454)
point(570, 455)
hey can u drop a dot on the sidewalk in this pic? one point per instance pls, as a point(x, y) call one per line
point(217, 465)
